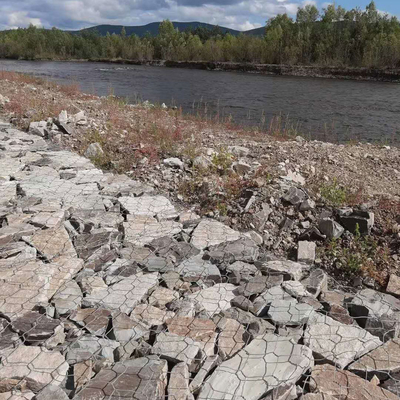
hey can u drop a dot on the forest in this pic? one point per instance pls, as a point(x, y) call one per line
point(333, 37)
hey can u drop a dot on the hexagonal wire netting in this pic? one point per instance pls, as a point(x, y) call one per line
point(108, 291)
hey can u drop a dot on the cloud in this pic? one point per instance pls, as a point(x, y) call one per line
point(77, 14)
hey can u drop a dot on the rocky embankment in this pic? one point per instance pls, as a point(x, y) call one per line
point(110, 290)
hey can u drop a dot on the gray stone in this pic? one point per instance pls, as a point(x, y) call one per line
point(35, 365)
point(177, 349)
point(38, 128)
point(262, 302)
point(355, 387)
point(48, 219)
point(152, 315)
point(259, 284)
point(263, 365)
point(173, 162)
point(83, 372)
point(161, 296)
point(307, 205)
point(13, 233)
point(8, 192)
point(173, 250)
point(306, 252)
point(52, 392)
point(121, 185)
point(243, 249)
point(52, 243)
point(140, 231)
point(294, 196)
point(178, 387)
point(202, 331)
point(94, 320)
point(210, 233)
point(216, 298)
point(146, 206)
point(127, 328)
point(383, 362)
point(94, 150)
point(172, 280)
point(241, 168)
point(295, 289)
point(393, 286)
point(185, 307)
point(209, 363)
point(40, 282)
point(195, 269)
point(283, 312)
point(246, 271)
point(337, 343)
point(231, 337)
point(291, 269)
point(378, 313)
point(331, 229)
point(242, 303)
point(68, 298)
point(9, 339)
point(124, 295)
point(38, 329)
point(142, 379)
point(254, 326)
point(359, 223)
point(91, 348)
point(316, 283)
point(87, 220)
point(87, 244)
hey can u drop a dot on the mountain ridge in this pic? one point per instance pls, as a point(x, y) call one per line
point(152, 29)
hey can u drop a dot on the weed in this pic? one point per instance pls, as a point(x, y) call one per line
point(222, 160)
point(334, 194)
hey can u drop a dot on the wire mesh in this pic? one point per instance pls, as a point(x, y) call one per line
point(108, 291)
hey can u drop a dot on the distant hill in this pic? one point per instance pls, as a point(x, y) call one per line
point(152, 29)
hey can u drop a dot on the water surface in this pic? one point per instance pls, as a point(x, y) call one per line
point(326, 109)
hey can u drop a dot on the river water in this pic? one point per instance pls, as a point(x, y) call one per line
point(325, 109)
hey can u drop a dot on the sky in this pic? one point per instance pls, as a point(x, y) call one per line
point(236, 14)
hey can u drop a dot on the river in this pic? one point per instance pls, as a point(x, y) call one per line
point(325, 109)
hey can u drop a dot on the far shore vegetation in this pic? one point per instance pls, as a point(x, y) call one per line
point(334, 37)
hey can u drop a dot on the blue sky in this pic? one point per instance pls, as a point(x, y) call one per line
point(236, 14)
point(390, 6)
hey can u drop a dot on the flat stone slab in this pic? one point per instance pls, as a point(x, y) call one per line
point(35, 363)
point(215, 298)
point(231, 337)
point(27, 284)
point(283, 312)
point(268, 362)
point(95, 320)
point(335, 342)
point(68, 298)
point(293, 270)
point(203, 331)
point(195, 269)
point(146, 206)
point(384, 361)
point(52, 243)
point(152, 315)
point(142, 379)
point(209, 233)
point(328, 380)
point(276, 293)
point(8, 192)
point(124, 295)
point(175, 348)
point(140, 231)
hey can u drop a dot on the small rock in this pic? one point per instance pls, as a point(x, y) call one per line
point(306, 252)
point(94, 150)
point(393, 286)
point(330, 228)
point(294, 196)
point(174, 163)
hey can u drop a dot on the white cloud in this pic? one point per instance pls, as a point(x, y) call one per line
point(76, 14)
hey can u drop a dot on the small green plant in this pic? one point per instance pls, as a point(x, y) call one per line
point(334, 194)
point(222, 160)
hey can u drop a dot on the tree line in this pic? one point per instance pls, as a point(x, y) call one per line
point(334, 37)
